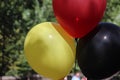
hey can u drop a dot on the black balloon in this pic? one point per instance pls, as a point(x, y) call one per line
point(98, 53)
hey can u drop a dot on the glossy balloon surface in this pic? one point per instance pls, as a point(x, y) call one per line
point(49, 50)
point(79, 17)
point(98, 53)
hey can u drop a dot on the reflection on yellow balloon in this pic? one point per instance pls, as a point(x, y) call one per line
point(50, 51)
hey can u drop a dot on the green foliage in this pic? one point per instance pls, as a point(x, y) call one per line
point(112, 13)
point(17, 17)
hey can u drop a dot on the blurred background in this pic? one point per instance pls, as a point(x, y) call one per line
point(17, 17)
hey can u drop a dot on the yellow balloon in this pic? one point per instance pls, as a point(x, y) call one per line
point(49, 50)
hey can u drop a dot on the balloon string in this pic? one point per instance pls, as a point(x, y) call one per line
point(75, 65)
point(76, 39)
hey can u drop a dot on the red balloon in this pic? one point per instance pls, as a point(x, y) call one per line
point(79, 17)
